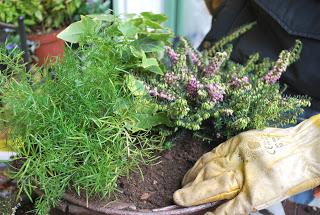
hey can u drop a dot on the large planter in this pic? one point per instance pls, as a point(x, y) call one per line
point(168, 172)
point(49, 47)
point(177, 160)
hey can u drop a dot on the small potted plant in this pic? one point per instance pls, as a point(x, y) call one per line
point(44, 19)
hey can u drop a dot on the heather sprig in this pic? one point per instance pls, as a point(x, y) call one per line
point(209, 86)
point(280, 66)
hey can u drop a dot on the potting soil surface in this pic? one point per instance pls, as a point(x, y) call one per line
point(159, 181)
point(154, 185)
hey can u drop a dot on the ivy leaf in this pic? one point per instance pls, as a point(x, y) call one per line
point(128, 29)
point(151, 64)
point(147, 121)
point(146, 116)
point(102, 17)
point(122, 105)
point(137, 21)
point(149, 45)
point(76, 30)
point(138, 53)
point(135, 86)
point(160, 18)
point(38, 15)
point(163, 36)
point(72, 33)
point(153, 24)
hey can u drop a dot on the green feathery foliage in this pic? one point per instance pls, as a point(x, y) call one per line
point(86, 122)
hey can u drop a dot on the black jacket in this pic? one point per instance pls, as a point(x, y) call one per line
point(280, 22)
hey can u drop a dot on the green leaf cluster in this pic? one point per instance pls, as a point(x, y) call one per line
point(44, 15)
point(143, 35)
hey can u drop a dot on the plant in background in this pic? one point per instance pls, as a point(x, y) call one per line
point(12, 9)
point(88, 121)
point(57, 13)
point(208, 86)
point(94, 7)
point(40, 15)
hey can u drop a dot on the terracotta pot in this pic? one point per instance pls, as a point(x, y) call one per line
point(72, 205)
point(50, 47)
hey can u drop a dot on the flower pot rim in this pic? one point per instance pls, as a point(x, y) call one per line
point(168, 210)
point(45, 38)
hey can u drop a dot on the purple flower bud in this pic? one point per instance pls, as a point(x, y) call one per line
point(195, 58)
point(280, 67)
point(216, 63)
point(153, 92)
point(172, 55)
point(192, 86)
point(170, 78)
point(212, 69)
point(238, 82)
point(245, 79)
point(272, 76)
point(215, 92)
point(166, 96)
point(161, 95)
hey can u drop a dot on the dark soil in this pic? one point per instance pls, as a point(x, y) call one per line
point(159, 181)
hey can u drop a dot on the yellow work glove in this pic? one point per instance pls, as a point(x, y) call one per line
point(255, 169)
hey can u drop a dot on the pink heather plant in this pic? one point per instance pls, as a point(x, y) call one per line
point(209, 87)
point(193, 86)
point(172, 54)
point(215, 92)
point(215, 63)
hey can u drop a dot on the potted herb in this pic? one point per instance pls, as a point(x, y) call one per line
point(111, 102)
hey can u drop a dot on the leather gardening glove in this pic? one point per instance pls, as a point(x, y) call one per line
point(255, 169)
